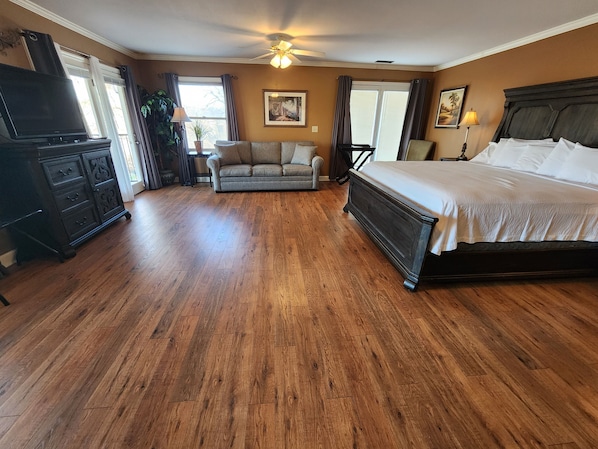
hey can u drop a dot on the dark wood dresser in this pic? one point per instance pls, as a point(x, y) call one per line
point(73, 184)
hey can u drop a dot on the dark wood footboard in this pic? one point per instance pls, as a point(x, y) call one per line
point(402, 230)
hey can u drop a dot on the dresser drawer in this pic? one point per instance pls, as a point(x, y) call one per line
point(61, 171)
point(80, 222)
point(68, 199)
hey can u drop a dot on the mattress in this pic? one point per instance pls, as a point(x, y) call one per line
point(481, 203)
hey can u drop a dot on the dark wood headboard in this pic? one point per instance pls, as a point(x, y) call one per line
point(566, 109)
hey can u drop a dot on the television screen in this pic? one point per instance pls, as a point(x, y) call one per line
point(39, 107)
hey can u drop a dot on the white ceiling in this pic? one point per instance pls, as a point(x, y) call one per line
point(418, 33)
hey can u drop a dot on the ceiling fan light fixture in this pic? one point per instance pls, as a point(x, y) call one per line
point(280, 61)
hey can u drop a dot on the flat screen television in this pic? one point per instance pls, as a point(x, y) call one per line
point(37, 107)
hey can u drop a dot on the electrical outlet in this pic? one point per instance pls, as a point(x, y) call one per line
point(314, 129)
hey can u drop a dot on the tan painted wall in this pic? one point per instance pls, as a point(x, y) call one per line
point(567, 56)
point(319, 82)
point(13, 16)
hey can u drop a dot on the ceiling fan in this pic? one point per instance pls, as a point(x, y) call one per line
point(283, 55)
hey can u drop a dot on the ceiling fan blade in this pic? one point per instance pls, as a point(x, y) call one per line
point(265, 55)
point(293, 58)
point(313, 54)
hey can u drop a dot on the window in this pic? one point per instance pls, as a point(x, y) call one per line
point(118, 104)
point(377, 115)
point(203, 100)
point(79, 72)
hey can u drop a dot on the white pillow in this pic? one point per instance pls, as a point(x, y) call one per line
point(533, 156)
point(303, 154)
point(507, 152)
point(483, 157)
point(555, 160)
point(581, 165)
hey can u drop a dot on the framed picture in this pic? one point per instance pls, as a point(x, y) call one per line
point(285, 108)
point(449, 107)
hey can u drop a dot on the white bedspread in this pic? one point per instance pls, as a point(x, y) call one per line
point(480, 203)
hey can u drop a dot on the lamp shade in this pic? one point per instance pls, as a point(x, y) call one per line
point(280, 61)
point(470, 119)
point(180, 116)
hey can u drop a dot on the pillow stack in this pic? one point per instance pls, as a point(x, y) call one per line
point(562, 160)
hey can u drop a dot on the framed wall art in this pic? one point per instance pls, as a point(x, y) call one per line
point(450, 106)
point(285, 108)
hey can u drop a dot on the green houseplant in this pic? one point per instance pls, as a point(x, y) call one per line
point(157, 109)
point(199, 131)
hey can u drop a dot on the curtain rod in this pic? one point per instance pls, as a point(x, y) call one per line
point(235, 77)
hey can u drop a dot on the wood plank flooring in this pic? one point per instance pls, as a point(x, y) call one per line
point(270, 320)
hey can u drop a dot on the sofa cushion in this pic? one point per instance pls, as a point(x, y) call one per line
point(287, 149)
point(267, 170)
point(297, 170)
point(235, 170)
point(303, 154)
point(244, 148)
point(265, 153)
point(228, 154)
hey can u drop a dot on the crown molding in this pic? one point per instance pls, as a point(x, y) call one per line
point(73, 27)
point(570, 26)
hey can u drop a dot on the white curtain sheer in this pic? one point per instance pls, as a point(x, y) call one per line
point(108, 128)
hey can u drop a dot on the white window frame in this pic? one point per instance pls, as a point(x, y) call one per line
point(204, 81)
point(381, 87)
point(78, 65)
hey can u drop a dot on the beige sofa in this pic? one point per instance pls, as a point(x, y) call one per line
point(245, 166)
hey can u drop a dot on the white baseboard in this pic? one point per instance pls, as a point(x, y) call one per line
point(9, 258)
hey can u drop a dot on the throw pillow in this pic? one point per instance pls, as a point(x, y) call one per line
point(228, 154)
point(581, 165)
point(483, 157)
point(532, 157)
point(303, 154)
point(557, 157)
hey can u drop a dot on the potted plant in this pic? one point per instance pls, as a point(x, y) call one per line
point(157, 109)
point(199, 132)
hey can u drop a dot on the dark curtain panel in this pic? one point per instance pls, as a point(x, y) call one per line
point(172, 86)
point(43, 53)
point(341, 131)
point(151, 174)
point(231, 111)
point(416, 114)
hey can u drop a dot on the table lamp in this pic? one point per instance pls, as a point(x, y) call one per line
point(470, 119)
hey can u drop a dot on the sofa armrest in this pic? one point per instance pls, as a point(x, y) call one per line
point(317, 162)
point(213, 163)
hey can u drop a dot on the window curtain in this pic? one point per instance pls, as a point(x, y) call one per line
point(341, 131)
point(172, 86)
point(149, 167)
point(414, 126)
point(108, 128)
point(43, 54)
point(231, 111)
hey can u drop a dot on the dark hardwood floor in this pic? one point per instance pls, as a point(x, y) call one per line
point(269, 320)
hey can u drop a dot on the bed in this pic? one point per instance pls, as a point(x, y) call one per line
point(409, 233)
